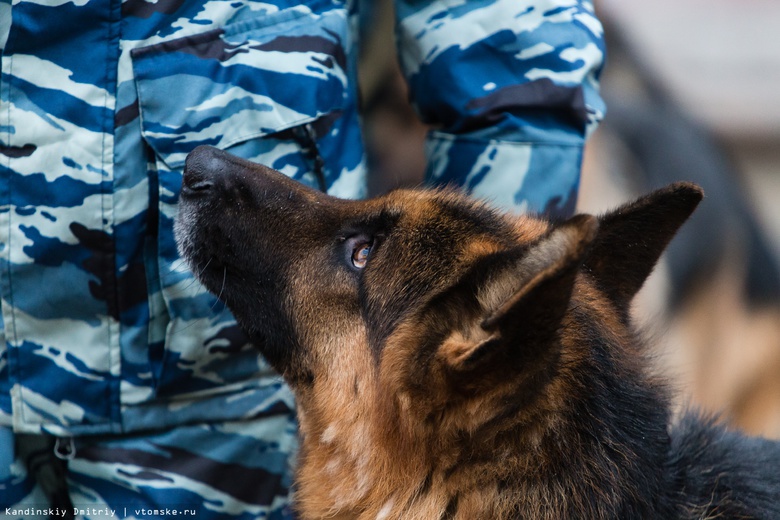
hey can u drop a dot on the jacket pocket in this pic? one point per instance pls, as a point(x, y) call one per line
point(245, 81)
point(278, 90)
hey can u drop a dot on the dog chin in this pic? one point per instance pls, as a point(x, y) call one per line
point(183, 227)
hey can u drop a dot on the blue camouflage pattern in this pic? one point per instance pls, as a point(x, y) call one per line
point(230, 470)
point(93, 176)
point(512, 106)
point(104, 330)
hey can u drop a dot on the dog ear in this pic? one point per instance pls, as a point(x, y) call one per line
point(522, 297)
point(631, 239)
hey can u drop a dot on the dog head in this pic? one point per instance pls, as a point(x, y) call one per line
point(425, 310)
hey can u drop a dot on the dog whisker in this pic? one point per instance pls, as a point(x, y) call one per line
point(221, 289)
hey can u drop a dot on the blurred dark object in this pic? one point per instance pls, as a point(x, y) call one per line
point(713, 306)
point(394, 135)
point(668, 145)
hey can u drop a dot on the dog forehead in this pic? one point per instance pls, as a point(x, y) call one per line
point(437, 210)
point(475, 224)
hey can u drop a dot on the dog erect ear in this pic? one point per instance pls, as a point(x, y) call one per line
point(522, 295)
point(631, 239)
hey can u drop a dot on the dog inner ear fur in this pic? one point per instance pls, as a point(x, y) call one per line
point(631, 239)
point(522, 296)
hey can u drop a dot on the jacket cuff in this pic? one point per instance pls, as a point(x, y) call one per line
point(524, 177)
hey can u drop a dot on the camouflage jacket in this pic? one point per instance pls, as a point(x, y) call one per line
point(101, 100)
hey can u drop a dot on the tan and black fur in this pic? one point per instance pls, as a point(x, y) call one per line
point(478, 366)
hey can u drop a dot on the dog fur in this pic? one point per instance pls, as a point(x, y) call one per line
point(478, 365)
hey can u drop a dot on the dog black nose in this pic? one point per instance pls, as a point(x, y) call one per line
point(203, 165)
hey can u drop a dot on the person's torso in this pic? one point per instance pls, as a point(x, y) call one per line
point(105, 328)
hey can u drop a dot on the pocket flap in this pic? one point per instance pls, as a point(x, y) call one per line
point(247, 80)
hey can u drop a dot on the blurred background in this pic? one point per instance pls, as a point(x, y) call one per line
point(693, 93)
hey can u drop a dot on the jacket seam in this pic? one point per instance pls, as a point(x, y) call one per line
point(12, 336)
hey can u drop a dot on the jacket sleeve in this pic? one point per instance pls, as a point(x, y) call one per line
point(510, 88)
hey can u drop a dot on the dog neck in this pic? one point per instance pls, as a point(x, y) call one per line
point(535, 446)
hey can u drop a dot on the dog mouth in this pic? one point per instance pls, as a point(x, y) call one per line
point(232, 218)
point(202, 239)
point(204, 259)
point(233, 231)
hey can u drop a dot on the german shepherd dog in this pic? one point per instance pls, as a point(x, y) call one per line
point(450, 361)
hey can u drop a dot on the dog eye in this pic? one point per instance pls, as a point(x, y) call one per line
point(360, 254)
